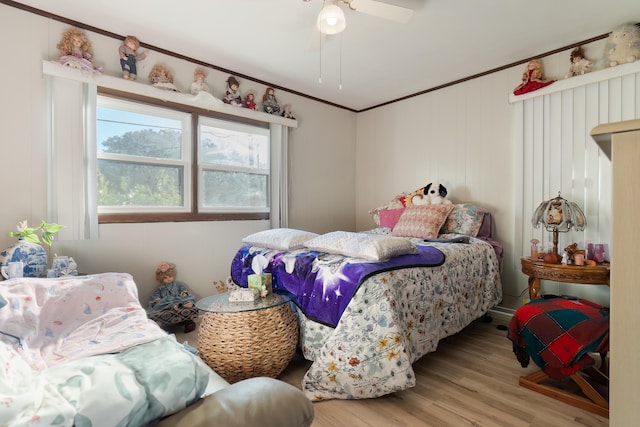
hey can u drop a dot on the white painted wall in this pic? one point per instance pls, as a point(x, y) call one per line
point(322, 177)
point(462, 136)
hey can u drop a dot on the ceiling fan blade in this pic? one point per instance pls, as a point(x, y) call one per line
point(382, 10)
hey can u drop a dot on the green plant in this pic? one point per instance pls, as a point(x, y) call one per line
point(31, 234)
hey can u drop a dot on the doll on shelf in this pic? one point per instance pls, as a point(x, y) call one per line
point(532, 78)
point(286, 112)
point(161, 77)
point(579, 64)
point(232, 96)
point(75, 51)
point(249, 101)
point(199, 84)
point(128, 52)
point(269, 102)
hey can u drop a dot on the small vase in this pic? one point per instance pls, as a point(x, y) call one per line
point(32, 255)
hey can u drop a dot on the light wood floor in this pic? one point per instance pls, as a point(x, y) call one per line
point(471, 380)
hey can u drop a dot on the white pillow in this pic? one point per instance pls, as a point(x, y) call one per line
point(372, 247)
point(282, 239)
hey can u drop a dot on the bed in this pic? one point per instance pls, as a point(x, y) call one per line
point(370, 305)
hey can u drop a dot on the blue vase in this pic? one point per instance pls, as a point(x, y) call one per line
point(32, 255)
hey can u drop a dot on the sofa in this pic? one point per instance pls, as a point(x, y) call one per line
point(81, 351)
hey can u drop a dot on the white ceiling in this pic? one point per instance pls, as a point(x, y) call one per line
point(271, 40)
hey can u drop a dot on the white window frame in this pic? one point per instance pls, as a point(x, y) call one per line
point(184, 162)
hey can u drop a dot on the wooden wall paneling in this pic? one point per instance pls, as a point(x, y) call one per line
point(557, 154)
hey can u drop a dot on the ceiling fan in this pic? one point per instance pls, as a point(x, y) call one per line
point(331, 19)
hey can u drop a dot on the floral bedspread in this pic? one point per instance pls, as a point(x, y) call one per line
point(322, 284)
point(394, 318)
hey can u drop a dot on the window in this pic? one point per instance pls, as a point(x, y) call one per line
point(180, 173)
point(156, 163)
point(143, 158)
point(234, 166)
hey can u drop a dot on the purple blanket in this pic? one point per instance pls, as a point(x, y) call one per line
point(322, 284)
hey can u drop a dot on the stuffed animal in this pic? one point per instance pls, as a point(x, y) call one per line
point(434, 194)
point(623, 45)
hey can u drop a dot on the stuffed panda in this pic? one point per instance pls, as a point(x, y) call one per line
point(434, 194)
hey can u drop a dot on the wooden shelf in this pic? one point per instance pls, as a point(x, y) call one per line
point(204, 101)
point(583, 80)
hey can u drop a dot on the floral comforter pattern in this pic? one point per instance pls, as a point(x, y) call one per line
point(395, 318)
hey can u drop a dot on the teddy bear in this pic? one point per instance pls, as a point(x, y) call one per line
point(623, 45)
point(433, 194)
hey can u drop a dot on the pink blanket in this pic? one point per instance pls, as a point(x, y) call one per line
point(59, 320)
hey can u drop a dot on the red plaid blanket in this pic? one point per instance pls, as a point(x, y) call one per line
point(558, 333)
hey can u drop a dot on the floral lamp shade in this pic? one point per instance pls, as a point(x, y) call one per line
point(558, 215)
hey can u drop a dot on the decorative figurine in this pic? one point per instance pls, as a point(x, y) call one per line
point(286, 112)
point(161, 77)
point(249, 101)
point(232, 96)
point(75, 51)
point(128, 52)
point(534, 249)
point(198, 84)
point(532, 78)
point(269, 102)
point(579, 64)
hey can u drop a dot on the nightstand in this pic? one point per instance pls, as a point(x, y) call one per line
point(247, 339)
point(582, 274)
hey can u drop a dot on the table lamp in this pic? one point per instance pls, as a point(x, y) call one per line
point(557, 215)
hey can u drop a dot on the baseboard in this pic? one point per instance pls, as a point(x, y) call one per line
point(501, 315)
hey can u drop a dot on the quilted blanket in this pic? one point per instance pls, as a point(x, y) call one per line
point(558, 334)
point(81, 352)
point(322, 284)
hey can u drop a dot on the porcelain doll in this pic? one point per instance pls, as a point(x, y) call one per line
point(286, 112)
point(269, 102)
point(75, 51)
point(161, 77)
point(171, 294)
point(129, 56)
point(199, 84)
point(532, 78)
point(579, 64)
point(249, 102)
point(232, 96)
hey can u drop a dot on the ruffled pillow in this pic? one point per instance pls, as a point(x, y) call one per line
point(423, 222)
point(465, 219)
point(282, 239)
point(372, 247)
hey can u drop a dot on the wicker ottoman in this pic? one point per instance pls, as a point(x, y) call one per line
point(245, 340)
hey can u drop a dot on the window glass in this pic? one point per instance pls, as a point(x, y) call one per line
point(234, 164)
point(145, 162)
point(143, 157)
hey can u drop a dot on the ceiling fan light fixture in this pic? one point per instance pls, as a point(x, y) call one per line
point(331, 20)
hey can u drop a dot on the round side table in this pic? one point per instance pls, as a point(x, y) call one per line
point(242, 340)
point(583, 274)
